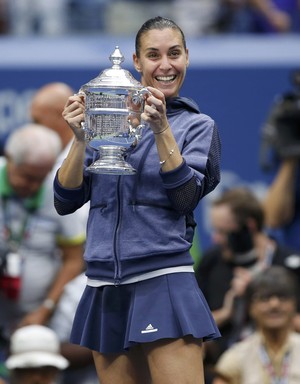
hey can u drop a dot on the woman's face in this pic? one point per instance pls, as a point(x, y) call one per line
point(163, 60)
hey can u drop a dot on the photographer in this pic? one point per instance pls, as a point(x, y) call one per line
point(241, 250)
point(281, 136)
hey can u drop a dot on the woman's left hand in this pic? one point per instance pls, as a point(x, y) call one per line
point(155, 111)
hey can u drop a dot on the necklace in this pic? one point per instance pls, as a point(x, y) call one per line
point(282, 377)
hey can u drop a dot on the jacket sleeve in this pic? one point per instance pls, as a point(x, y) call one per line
point(187, 184)
point(67, 201)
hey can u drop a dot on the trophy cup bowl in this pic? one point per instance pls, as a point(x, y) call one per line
point(114, 102)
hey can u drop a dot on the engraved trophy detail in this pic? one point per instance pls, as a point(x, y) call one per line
point(114, 102)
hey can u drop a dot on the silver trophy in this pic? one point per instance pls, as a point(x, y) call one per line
point(114, 102)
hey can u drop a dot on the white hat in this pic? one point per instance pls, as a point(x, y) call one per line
point(35, 346)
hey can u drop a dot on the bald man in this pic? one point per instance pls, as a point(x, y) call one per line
point(47, 106)
point(46, 109)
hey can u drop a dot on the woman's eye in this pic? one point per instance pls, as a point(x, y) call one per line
point(174, 53)
point(152, 55)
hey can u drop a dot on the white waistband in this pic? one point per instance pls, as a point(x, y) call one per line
point(144, 276)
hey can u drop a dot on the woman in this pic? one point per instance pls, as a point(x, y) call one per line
point(270, 353)
point(142, 313)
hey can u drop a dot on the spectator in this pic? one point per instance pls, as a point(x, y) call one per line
point(233, 16)
point(46, 109)
point(88, 15)
point(258, 16)
point(47, 106)
point(3, 17)
point(280, 155)
point(271, 353)
point(241, 248)
point(282, 201)
point(275, 16)
point(196, 17)
point(35, 356)
point(28, 17)
point(41, 251)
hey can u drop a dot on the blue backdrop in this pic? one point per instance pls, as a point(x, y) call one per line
point(234, 80)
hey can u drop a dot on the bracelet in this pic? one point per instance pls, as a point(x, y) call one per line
point(164, 161)
point(49, 304)
point(158, 133)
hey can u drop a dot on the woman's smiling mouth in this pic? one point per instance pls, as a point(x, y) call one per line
point(165, 79)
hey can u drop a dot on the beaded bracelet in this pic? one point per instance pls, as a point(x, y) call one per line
point(164, 161)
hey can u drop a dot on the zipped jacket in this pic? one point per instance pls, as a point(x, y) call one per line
point(144, 222)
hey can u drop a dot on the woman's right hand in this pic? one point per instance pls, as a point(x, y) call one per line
point(73, 114)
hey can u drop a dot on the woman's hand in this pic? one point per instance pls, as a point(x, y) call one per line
point(155, 111)
point(73, 113)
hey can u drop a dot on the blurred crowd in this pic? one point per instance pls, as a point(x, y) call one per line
point(196, 17)
point(250, 237)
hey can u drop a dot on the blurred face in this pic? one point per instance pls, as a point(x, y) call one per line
point(271, 312)
point(26, 179)
point(40, 115)
point(223, 222)
point(163, 61)
point(43, 375)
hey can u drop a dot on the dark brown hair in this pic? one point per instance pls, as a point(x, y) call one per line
point(273, 281)
point(243, 204)
point(160, 23)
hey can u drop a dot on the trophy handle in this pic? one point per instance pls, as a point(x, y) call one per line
point(138, 97)
point(88, 134)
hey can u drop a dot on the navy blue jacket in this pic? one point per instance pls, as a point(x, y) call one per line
point(144, 222)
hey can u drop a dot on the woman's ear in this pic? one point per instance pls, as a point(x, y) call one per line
point(136, 63)
point(187, 58)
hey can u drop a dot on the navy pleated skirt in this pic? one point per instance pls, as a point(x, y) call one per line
point(111, 319)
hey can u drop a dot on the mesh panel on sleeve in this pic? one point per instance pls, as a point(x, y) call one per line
point(212, 174)
point(63, 208)
point(186, 197)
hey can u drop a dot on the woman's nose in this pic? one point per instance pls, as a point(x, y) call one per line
point(165, 63)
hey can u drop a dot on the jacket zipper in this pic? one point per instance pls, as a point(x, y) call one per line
point(117, 277)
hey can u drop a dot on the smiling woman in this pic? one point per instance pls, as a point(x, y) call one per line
point(162, 58)
point(141, 256)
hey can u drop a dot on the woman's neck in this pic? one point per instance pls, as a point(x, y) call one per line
point(275, 339)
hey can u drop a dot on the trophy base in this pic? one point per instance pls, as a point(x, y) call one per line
point(111, 162)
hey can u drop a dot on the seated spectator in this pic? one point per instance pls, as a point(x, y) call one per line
point(35, 356)
point(241, 248)
point(271, 353)
point(27, 17)
point(275, 16)
point(258, 16)
point(3, 21)
point(40, 251)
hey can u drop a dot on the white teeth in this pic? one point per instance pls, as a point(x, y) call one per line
point(165, 78)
